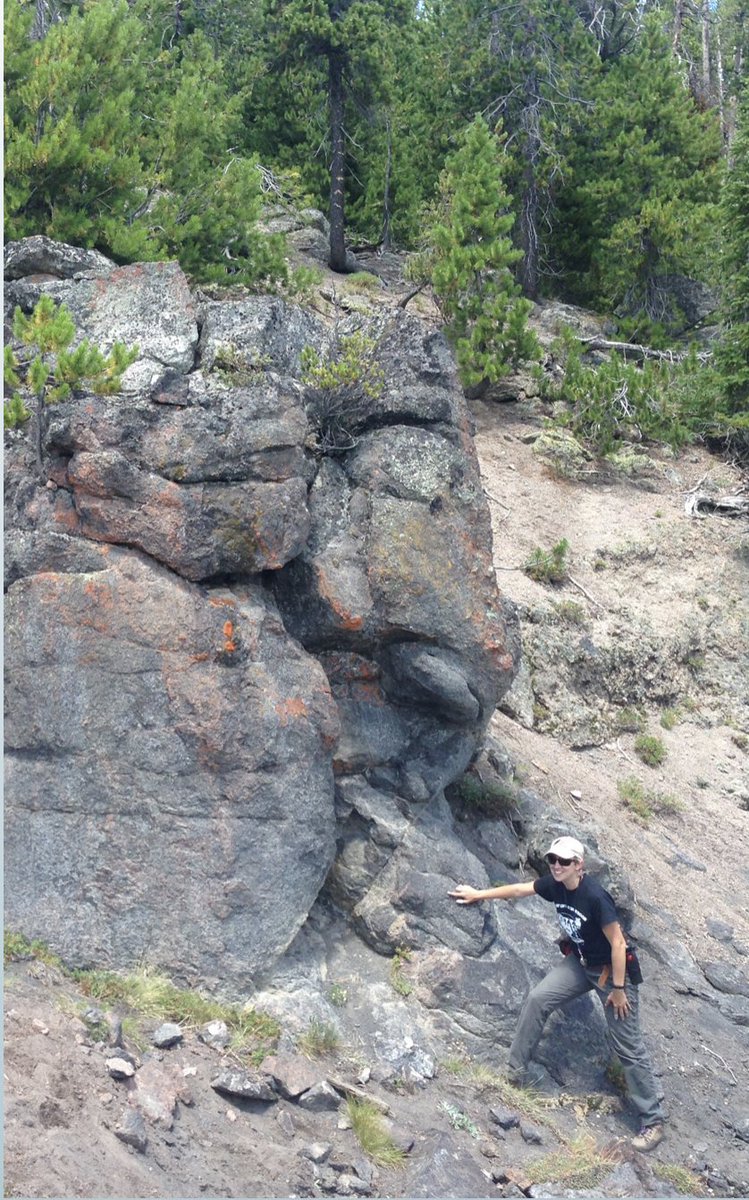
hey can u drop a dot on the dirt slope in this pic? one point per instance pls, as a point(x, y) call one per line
point(690, 570)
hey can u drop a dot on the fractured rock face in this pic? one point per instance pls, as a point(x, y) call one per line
point(177, 712)
point(395, 587)
point(214, 488)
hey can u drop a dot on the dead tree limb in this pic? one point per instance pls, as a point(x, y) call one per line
point(580, 588)
point(637, 352)
point(410, 295)
point(700, 505)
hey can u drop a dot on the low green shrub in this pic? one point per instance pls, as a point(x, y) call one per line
point(338, 389)
point(549, 566)
point(17, 947)
point(494, 799)
point(615, 1075)
point(629, 720)
point(571, 612)
point(645, 803)
point(666, 401)
point(460, 1120)
point(338, 995)
point(650, 749)
point(615, 401)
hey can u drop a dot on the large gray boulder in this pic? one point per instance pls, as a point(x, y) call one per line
point(40, 255)
point(257, 334)
point(168, 772)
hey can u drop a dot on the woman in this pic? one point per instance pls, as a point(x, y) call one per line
point(597, 961)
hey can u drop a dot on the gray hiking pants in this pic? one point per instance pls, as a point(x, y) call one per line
point(564, 983)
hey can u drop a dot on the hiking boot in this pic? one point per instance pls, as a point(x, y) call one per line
point(534, 1076)
point(649, 1137)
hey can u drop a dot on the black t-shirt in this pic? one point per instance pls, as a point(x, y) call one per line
point(582, 913)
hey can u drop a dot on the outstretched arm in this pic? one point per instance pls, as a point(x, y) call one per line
point(465, 894)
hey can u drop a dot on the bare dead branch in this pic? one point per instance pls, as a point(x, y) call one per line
point(639, 353)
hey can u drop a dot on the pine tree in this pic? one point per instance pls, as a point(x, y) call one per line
point(543, 62)
point(732, 357)
point(120, 135)
point(640, 199)
point(50, 371)
point(352, 39)
point(473, 259)
point(72, 128)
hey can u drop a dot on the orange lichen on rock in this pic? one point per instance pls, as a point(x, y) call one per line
point(294, 706)
point(329, 588)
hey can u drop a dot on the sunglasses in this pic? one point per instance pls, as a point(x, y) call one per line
point(552, 859)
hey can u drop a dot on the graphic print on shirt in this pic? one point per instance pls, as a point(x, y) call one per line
point(571, 920)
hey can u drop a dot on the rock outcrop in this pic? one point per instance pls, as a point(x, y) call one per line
point(209, 621)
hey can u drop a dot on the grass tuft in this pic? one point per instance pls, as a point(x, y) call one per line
point(320, 1039)
point(645, 803)
point(630, 720)
point(147, 994)
point(525, 1100)
point(152, 995)
point(580, 1164)
point(398, 980)
point(684, 1180)
point(570, 612)
point(369, 1128)
point(17, 947)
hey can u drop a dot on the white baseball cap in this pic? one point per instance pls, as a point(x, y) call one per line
point(566, 847)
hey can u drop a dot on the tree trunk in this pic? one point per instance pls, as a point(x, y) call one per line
point(337, 163)
point(385, 240)
point(179, 20)
point(721, 85)
point(738, 69)
point(530, 199)
point(706, 68)
point(678, 27)
point(45, 13)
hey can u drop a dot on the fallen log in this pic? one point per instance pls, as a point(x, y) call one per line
point(639, 353)
point(701, 505)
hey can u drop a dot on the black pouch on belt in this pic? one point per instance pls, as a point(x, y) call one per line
point(634, 971)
